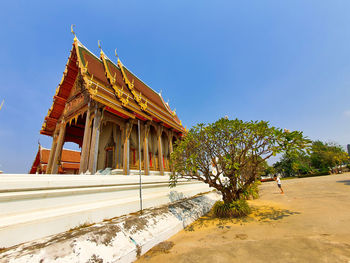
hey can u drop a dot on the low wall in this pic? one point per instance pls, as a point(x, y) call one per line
point(36, 206)
point(121, 239)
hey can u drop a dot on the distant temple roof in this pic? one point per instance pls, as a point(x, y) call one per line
point(70, 160)
point(114, 86)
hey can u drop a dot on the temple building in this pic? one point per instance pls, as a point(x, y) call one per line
point(99, 105)
point(69, 164)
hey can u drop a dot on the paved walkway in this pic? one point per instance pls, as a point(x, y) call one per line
point(309, 223)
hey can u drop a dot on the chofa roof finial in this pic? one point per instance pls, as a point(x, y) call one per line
point(116, 54)
point(72, 31)
point(99, 46)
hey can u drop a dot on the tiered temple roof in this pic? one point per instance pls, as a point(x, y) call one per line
point(70, 160)
point(114, 86)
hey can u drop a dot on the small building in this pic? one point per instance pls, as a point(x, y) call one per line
point(100, 105)
point(70, 162)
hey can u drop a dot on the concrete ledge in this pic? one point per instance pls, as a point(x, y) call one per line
point(36, 206)
point(118, 240)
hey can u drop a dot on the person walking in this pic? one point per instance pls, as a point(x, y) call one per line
point(278, 180)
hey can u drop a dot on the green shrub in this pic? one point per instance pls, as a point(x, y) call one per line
point(240, 208)
point(252, 191)
point(221, 209)
point(237, 208)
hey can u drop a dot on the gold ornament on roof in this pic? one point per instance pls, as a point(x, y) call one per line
point(72, 31)
point(131, 85)
point(115, 52)
point(144, 105)
point(114, 78)
point(84, 69)
point(57, 90)
point(119, 92)
point(94, 90)
point(125, 101)
point(173, 112)
point(138, 98)
point(49, 111)
point(99, 46)
point(90, 81)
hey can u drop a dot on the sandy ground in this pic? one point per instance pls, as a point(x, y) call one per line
point(309, 223)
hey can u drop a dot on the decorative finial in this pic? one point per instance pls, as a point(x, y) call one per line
point(72, 30)
point(2, 103)
point(116, 54)
point(160, 93)
point(99, 46)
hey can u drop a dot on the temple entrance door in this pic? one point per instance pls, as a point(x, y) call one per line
point(110, 150)
point(152, 149)
point(165, 151)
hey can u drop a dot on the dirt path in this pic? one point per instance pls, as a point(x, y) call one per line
point(309, 223)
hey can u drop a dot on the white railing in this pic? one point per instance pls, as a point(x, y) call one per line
point(35, 206)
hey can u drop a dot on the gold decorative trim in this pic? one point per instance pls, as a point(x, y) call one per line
point(120, 93)
point(144, 105)
point(131, 85)
point(107, 102)
point(84, 69)
point(72, 31)
point(114, 79)
point(124, 101)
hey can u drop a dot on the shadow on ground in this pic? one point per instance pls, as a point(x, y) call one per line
point(346, 182)
point(258, 214)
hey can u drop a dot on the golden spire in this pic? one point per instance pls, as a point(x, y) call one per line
point(72, 31)
point(2, 103)
point(116, 54)
point(99, 46)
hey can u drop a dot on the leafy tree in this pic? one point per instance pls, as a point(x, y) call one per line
point(269, 170)
point(294, 163)
point(320, 159)
point(229, 154)
point(327, 155)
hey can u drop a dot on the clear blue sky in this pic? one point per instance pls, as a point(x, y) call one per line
point(287, 62)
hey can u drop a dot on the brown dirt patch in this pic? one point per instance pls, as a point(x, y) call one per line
point(309, 223)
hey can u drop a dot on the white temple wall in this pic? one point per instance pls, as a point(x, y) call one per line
point(35, 206)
